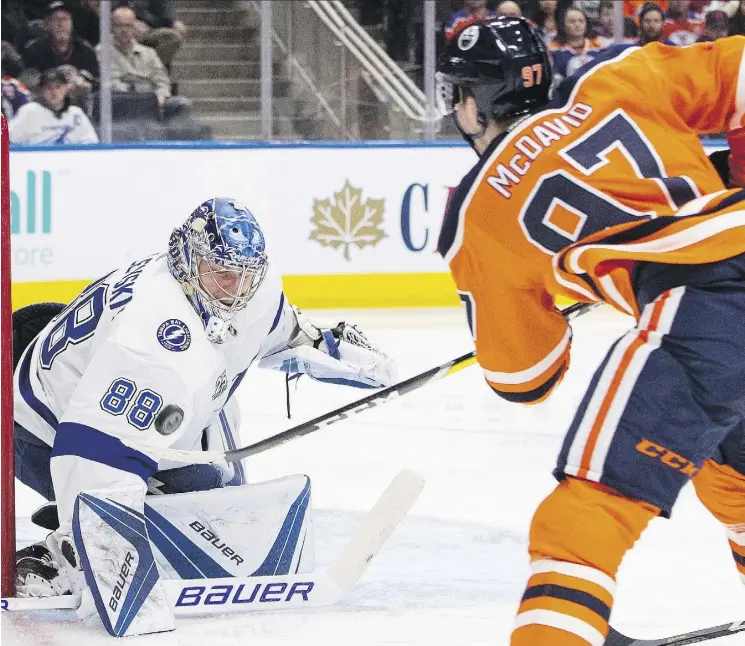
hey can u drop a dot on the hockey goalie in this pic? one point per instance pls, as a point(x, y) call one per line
point(146, 358)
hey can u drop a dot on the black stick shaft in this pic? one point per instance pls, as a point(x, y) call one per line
point(375, 399)
point(725, 630)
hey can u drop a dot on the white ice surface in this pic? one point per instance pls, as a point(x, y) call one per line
point(454, 571)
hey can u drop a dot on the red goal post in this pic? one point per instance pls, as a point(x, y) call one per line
point(7, 482)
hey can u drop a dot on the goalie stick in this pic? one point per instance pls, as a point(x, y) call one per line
point(371, 401)
point(245, 594)
point(725, 630)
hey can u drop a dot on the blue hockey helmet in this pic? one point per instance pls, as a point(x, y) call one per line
point(219, 257)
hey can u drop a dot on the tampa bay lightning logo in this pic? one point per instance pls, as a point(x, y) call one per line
point(173, 335)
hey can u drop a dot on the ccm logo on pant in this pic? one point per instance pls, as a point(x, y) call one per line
point(667, 457)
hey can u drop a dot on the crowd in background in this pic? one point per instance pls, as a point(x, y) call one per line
point(51, 68)
point(51, 53)
point(574, 30)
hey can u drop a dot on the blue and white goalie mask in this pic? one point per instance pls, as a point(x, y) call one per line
point(219, 258)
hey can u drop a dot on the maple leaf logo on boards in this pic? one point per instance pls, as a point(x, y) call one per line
point(347, 220)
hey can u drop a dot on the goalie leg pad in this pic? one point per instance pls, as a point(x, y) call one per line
point(261, 529)
point(111, 538)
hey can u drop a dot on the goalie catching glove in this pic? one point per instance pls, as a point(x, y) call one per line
point(338, 355)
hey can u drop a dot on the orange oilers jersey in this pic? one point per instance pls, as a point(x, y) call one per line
point(567, 200)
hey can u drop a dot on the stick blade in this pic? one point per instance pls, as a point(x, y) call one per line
point(376, 527)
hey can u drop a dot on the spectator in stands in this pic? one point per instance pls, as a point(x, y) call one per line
point(630, 31)
point(737, 22)
point(572, 47)
point(15, 28)
point(51, 118)
point(682, 26)
point(591, 9)
point(137, 68)
point(473, 11)
point(86, 15)
point(157, 27)
point(603, 28)
point(632, 8)
point(728, 6)
point(716, 25)
point(651, 24)
point(508, 8)
point(545, 18)
point(14, 93)
point(12, 63)
point(60, 46)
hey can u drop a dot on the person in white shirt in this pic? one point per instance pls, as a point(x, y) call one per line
point(51, 119)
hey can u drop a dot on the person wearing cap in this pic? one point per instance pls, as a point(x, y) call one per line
point(60, 46)
point(716, 25)
point(51, 119)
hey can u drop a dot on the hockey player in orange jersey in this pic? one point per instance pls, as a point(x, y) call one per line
point(605, 194)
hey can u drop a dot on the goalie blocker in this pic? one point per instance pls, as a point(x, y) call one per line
point(252, 550)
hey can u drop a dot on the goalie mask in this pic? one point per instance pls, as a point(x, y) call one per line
point(219, 258)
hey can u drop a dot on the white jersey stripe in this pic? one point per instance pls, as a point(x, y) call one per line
point(536, 370)
point(560, 621)
point(625, 387)
point(577, 449)
point(630, 377)
point(585, 572)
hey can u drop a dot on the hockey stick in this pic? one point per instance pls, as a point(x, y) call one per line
point(245, 594)
point(371, 401)
point(725, 630)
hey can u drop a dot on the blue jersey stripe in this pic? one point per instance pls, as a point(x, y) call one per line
point(27, 392)
point(89, 443)
point(279, 312)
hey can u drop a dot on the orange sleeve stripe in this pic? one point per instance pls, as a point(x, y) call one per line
point(738, 553)
point(576, 583)
point(615, 384)
point(738, 549)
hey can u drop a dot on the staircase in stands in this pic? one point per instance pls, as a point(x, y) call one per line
point(218, 69)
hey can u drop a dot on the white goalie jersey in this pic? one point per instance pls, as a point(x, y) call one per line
point(127, 365)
